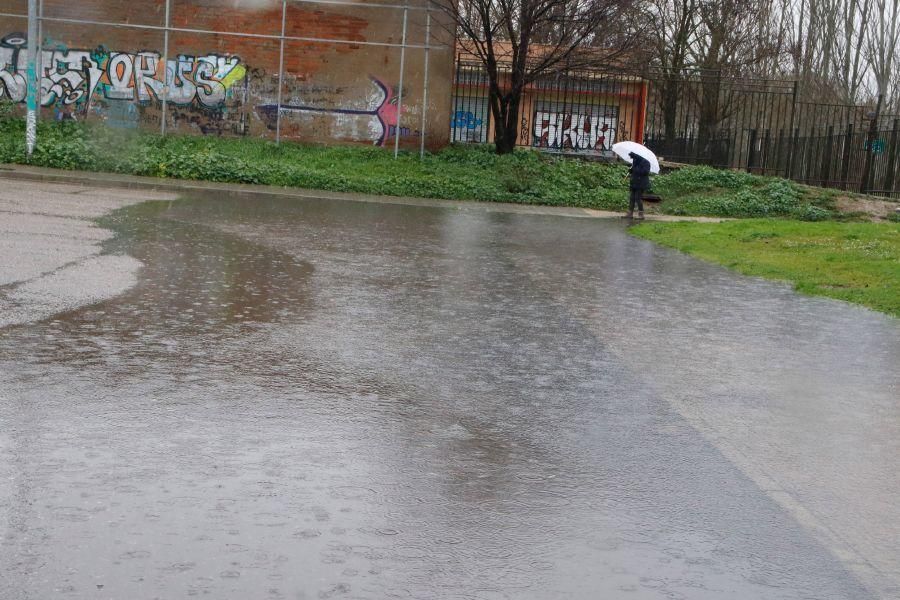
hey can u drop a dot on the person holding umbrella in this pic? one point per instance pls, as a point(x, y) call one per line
point(640, 182)
point(643, 163)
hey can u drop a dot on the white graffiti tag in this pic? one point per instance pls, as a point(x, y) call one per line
point(76, 76)
point(12, 67)
point(68, 77)
point(568, 130)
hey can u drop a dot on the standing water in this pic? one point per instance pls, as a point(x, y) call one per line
point(327, 399)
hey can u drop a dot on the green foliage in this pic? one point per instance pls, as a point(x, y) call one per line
point(856, 262)
point(702, 178)
point(7, 110)
point(774, 198)
point(810, 212)
point(463, 172)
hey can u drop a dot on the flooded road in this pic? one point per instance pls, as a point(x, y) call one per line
point(322, 399)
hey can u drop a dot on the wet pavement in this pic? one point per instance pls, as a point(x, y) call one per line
point(328, 399)
point(50, 248)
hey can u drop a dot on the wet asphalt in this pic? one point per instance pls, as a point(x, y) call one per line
point(309, 399)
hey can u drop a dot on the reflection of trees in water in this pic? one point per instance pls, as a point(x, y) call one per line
point(196, 284)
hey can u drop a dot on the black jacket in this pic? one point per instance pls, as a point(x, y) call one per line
point(640, 172)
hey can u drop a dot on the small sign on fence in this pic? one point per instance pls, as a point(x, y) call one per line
point(877, 146)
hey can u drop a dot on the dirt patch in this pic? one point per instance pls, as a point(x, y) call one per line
point(877, 210)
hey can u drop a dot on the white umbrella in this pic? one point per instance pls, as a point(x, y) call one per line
point(623, 149)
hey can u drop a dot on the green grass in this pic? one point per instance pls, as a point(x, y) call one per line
point(855, 262)
point(457, 173)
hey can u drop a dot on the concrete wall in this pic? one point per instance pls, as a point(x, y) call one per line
point(221, 84)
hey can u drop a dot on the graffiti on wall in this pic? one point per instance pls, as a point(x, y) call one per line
point(213, 93)
point(78, 77)
point(373, 117)
point(570, 130)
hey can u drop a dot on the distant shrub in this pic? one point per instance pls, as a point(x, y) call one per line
point(698, 178)
point(810, 212)
point(777, 198)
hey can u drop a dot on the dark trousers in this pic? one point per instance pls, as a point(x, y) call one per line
point(636, 199)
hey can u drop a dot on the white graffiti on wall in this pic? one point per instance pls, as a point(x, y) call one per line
point(74, 76)
point(568, 130)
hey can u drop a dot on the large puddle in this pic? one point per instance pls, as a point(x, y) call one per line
point(322, 399)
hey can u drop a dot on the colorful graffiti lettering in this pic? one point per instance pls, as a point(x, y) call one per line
point(376, 114)
point(464, 119)
point(76, 77)
point(576, 131)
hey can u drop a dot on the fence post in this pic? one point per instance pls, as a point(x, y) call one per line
point(870, 143)
point(792, 152)
point(33, 85)
point(165, 59)
point(751, 151)
point(892, 158)
point(455, 101)
point(280, 96)
point(848, 143)
point(425, 84)
point(825, 174)
point(40, 59)
point(790, 165)
point(400, 91)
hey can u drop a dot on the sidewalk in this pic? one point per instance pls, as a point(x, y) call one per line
point(134, 182)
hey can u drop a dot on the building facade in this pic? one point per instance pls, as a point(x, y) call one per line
point(582, 111)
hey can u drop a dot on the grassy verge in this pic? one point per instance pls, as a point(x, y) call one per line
point(856, 262)
point(459, 173)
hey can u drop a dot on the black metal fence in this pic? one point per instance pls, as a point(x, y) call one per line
point(768, 127)
point(763, 126)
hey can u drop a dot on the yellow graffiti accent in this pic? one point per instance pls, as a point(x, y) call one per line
point(236, 74)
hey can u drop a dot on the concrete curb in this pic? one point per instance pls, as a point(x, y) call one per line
point(115, 180)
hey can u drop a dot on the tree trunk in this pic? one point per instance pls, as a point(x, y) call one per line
point(507, 143)
point(505, 109)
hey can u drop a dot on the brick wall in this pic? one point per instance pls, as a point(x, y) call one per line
point(221, 84)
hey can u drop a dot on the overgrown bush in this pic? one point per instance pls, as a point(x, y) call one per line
point(810, 212)
point(776, 198)
point(701, 178)
point(465, 172)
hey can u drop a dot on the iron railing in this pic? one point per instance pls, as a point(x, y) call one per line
point(764, 126)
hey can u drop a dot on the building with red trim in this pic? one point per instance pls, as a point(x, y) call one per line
point(567, 111)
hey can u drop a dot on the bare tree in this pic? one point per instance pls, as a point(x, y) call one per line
point(673, 31)
point(697, 43)
point(882, 41)
point(518, 41)
point(825, 46)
